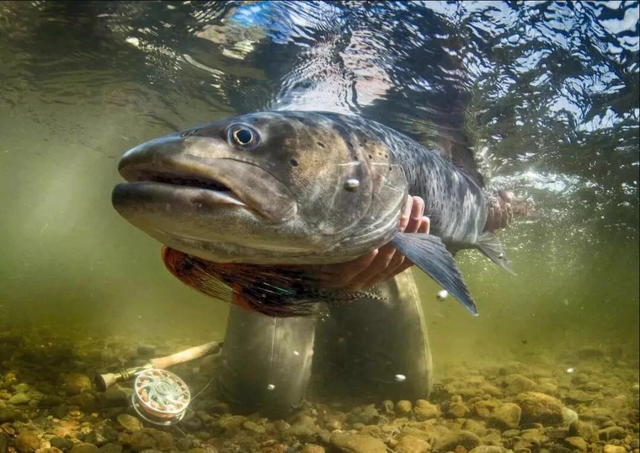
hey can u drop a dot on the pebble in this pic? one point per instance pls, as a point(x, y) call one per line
point(85, 448)
point(591, 387)
point(614, 449)
point(129, 422)
point(613, 432)
point(476, 427)
point(305, 427)
point(579, 396)
point(540, 408)
point(517, 383)
point(50, 450)
point(424, 410)
point(75, 383)
point(485, 408)
point(27, 442)
point(184, 444)
point(491, 390)
point(101, 435)
point(507, 416)
point(4, 443)
point(403, 408)
point(116, 396)
point(356, 443)
point(587, 431)
point(388, 407)
point(310, 448)
point(411, 444)
point(111, 448)
point(146, 439)
point(254, 427)
point(19, 398)
point(488, 449)
point(577, 443)
point(450, 441)
point(458, 410)
point(62, 443)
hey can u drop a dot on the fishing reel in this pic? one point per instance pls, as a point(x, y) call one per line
point(160, 397)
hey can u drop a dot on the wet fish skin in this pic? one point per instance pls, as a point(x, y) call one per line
point(278, 188)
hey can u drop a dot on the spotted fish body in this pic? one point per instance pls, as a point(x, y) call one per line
point(454, 202)
point(278, 189)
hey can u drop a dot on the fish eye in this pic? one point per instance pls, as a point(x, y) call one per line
point(243, 136)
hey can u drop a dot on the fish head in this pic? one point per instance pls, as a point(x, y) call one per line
point(272, 187)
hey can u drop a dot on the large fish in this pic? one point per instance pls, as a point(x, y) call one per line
point(244, 201)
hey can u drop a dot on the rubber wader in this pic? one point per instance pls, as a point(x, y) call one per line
point(377, 349)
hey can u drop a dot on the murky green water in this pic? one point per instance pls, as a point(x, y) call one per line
point(546, 93)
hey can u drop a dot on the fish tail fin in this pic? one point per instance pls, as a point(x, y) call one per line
point(490, 246)
point(431, 256)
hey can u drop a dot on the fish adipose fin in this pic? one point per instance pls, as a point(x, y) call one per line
point(490, 245)
point(429, 254)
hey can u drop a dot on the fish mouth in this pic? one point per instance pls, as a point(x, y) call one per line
point(195, 171)
point(204, 191)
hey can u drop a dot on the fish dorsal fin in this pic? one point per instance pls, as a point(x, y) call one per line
point(490, 245)
point(430, 255)
point(460, 154)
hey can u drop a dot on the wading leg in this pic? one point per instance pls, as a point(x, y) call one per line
point(385, 348)
point(266, 362)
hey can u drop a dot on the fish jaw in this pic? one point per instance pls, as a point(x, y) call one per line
point(182, 165)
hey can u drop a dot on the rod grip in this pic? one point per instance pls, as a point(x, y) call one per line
point(187, 355)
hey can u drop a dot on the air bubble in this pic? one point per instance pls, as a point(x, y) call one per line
point(400, 378)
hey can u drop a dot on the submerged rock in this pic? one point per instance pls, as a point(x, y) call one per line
point(411, 444)
point(85, 448)
point(613, 432)
point(404, 408)
point(19, 398)
point(355, 443)
point(488, 449)
point(310, 448)
point(517, 383)
point(577, 443)
point(450, 441)
point(540, 408)
point(111, 448)
point(587, 431)
point(4, 443)
point(424, 410)
point(75, 383)
point(507, 416)
point(129, 422)
point(614, 449)
point(62, 443)
point(458, 410)
point(27, 442)
point(147, 438)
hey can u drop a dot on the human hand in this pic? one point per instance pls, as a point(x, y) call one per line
point(500, 214)
point(381, 264)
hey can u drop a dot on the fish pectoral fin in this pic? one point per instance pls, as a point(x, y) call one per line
point(490, 245)
point(430, 255)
